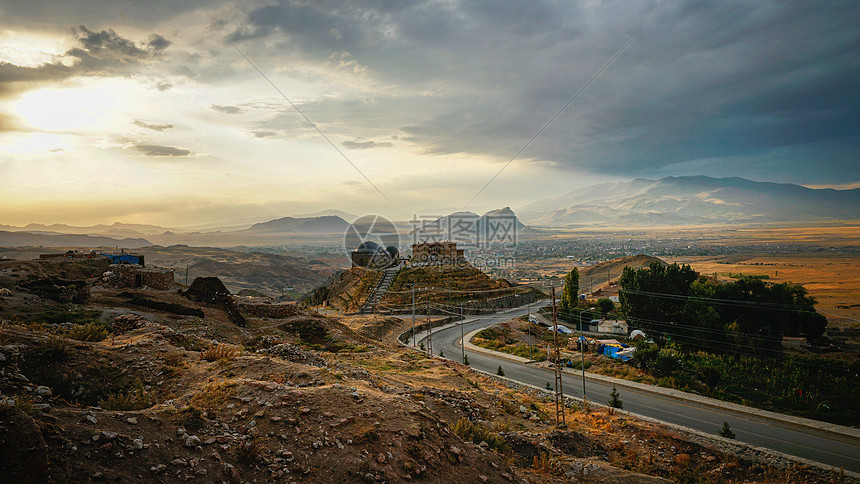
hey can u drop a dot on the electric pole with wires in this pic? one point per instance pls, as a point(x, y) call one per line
point(429, 326)
point(413, 315)
point(559, 392)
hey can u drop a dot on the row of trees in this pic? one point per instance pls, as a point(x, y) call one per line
point(670, 302)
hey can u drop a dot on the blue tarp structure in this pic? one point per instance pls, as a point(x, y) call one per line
point(612, 350)
point(124, 258)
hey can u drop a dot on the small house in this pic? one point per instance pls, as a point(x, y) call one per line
point(612, 327)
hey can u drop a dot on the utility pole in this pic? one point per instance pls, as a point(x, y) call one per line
point(559, 396)
point(530, 338)
point(582, 356)
point(186, 274)
point(413, 314)
point(462, 338)
point(430, 327)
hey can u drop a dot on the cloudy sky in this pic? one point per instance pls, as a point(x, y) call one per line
point(146, 112)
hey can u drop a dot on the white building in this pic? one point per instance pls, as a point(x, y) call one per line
point(612, 327)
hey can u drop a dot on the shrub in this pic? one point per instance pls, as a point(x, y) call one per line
point(544, 464)
point(250, 452)
point(88, 332)
point(136, 399)
point(308, 330)
point(221, 351)
point(213, 396)
point(476, 433)
point(726, 431)
point(614, 399)
point(55, 349)
point(25, 405)
point(191, 418)
point(605, 305)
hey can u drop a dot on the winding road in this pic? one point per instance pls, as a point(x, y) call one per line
point(812, 444)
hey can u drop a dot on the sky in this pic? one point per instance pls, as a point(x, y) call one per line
point(193, 112)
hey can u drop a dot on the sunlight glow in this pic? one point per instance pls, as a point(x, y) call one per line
point(66, 109)
point(34, 143)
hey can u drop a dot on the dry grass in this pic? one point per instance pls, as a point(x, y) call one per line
point(173, 359)
point(213, 396)
point(544, 464)
point(219, 352)
point(250, 452)
point(137, 399)
point(88, 332)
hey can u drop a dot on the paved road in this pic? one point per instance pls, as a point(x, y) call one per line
point(807, 443)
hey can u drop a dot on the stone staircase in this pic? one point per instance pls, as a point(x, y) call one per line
point(381, 288)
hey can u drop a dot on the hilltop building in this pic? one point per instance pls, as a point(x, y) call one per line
point(436, 253)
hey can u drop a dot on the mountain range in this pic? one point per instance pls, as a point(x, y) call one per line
point(324, 224)
point(670, 201)
point(696, 200)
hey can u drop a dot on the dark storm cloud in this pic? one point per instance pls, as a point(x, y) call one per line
point(107, 43)
point(61, 13)
point(365, 145)
point(97, 53)
point(153, 126)
point(161, 151)
point(702, 81)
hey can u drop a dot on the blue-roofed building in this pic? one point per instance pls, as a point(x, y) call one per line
point(124, 258)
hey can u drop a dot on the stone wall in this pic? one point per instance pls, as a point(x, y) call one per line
point(131, 275)
point(264, 308)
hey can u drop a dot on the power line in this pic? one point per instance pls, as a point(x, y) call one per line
point(725, 302)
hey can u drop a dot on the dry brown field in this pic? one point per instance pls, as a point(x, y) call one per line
point(832, 279)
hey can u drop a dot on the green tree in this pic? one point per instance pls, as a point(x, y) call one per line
point(500, 371)
point(570, 292)
point(643, 297)
point(726, 431)
point(711, 377)
point(605, 305)
point(614, 399)
point(746, 316)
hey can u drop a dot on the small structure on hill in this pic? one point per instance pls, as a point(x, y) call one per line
point(612, 327)
point(637, 335)
point(374, 256)
point(69, 254)
point(125, 258)
point(436, 253)
point(212, 291)
point(127, 275)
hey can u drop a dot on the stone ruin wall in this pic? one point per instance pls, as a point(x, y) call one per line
point(268, 310)
point(125, 275)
